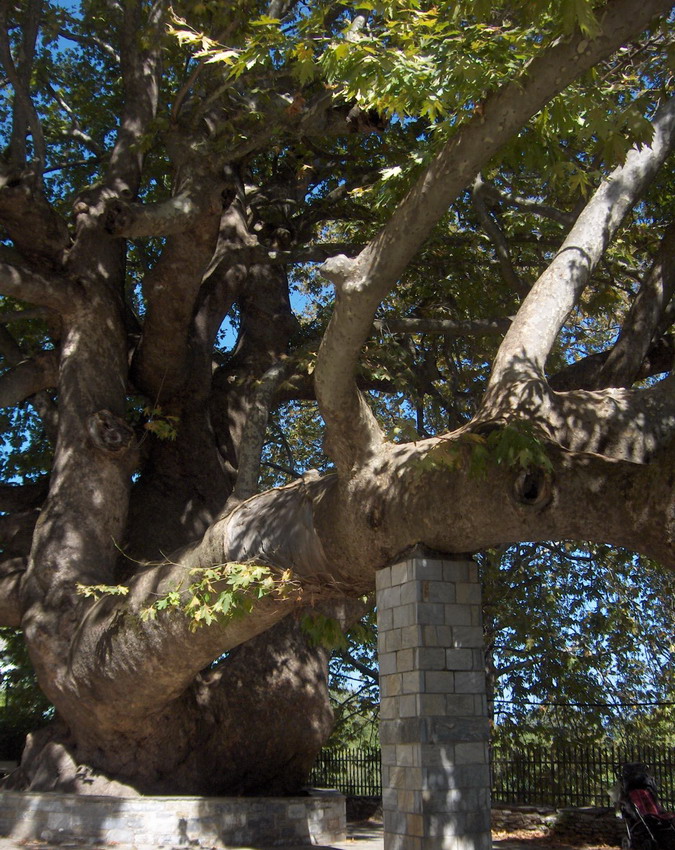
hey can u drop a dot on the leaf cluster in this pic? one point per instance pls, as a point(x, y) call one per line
point(223, 592)
point(516, 445)
point(579, 638)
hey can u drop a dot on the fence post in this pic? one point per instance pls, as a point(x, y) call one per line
point(433, 708)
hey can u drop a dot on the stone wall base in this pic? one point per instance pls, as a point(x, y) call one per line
point(145, 822)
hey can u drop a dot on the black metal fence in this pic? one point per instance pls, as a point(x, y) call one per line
point(356, 773)
point(536, 776)
point(574, 775)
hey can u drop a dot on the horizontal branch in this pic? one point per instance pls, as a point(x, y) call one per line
point(40, 400)
point(445, 327)
point(584, 374)
point(144, 665)
point(175, 215)
point(319, 253)
point(527, 204)
point(449, 508)
point(363, 669)
point(8, 316)
point(28, 378)
point(16, 532)
point(333, 539)
point(57, 293)
point(17, 497)
point(91, 41)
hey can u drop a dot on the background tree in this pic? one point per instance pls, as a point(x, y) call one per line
point(155, 182)
point(579, 645)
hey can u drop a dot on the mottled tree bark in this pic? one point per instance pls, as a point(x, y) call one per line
point(240, 705)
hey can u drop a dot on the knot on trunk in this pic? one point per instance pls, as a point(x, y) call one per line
point(533, 488)
point(337, 269)
point(119, 215)
point(109, 433)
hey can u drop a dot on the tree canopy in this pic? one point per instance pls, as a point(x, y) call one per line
point(426, 250)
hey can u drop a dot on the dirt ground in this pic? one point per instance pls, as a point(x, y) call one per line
point(365, 833)
point(535, 839)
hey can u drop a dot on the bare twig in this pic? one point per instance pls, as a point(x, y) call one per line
point(497, 237)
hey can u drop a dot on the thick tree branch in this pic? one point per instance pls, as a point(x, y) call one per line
point(16, 532)
point(175, 215)
point(39, 234)
point(28, 378)
point(25, 116)
point(112, 653)
point(625, 360)
point(338, 539)
point(374, 522)
point(41, 401)
point(140, 75)
point(11, 574)
point(363, 283)
point(171, 289)
point(8, 316)
point(534, 330)
point(584, 373)
point(20, 497)
point(253, 437)
point(619, 423)
point(56, 293)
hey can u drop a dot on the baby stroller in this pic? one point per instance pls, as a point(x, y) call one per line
point(648, 825)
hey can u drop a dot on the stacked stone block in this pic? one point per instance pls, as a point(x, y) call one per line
point(433, 712)
point(148, 823)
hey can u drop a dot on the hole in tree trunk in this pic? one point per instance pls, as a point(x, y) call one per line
point(532, 487)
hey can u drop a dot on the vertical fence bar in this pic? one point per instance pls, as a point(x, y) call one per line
point(558, 777)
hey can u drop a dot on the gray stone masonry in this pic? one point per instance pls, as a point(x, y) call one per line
point(156, 822)
point(433, 712)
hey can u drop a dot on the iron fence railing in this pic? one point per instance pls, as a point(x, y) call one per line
point(574, 775)
point(537, 776)
point(354, 772)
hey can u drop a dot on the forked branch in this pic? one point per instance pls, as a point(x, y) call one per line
point(625, 360)
point(523, 353)
point(364, 282)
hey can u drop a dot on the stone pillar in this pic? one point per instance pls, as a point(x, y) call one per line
point(433, 710)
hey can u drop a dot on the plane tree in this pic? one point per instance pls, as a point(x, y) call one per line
point(577, 644)
point(486, 188)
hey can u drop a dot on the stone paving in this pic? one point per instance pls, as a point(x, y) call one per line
point(364, 836)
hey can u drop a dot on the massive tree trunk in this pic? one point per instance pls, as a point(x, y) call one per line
point(148, 699)
point(249, 724)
